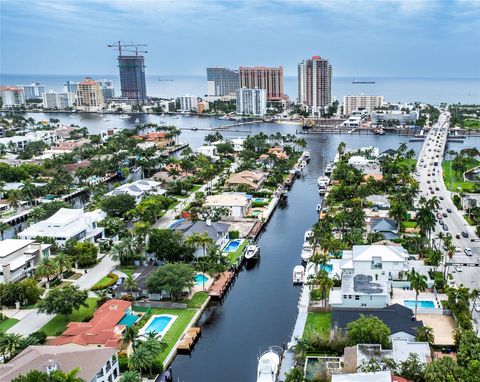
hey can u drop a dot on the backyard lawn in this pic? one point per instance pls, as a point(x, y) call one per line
point(453, 181)
point(409, 224)
point(7, 324)
point(318, 323)
point(173, 334)
point(234, 256)
point(58, 324)
point(128, 270)
point(197, 300)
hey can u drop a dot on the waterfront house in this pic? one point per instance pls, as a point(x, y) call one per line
point(236, 203)
point(138, 189)
point(94, 364)
point(66, 224)
point(140, 276)
point(398, 318)
point(209, 151)
point(160, 139)
point(18, 258)
point(252, 180)
point(382, 262)
point(237, 144)
point(218, 232)
point(72, 168)
point(104, 329)
point(69, 146)
point(388, 227)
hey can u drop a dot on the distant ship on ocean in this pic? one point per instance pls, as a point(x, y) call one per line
point(363, 82)
point(162, 79)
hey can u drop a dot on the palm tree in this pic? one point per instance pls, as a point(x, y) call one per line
point(3, 227)
point(474, 295)
point(14, 198)
point(125, 250)
point(419, 283)
point(140, 359)
point(199, 239)
point(10, 343)
point(47, 267)
point(154, 348)
point(425, 334)
point(64, 263)
point(102, 295)
point(131, 376)
point(130, 335)
point(130, 284)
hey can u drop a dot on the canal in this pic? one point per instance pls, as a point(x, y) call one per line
point(260, 308)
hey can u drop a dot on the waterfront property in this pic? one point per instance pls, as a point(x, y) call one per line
point(138, 189)
point(237, 204)
point(158, 324)
point(252, 180)
point(18, 258)
point(94, 364)
point(67, 224)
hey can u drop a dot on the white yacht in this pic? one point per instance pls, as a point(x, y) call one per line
point(308, 235)
point(303, 164)
point(319, 207)
point(307, 252)
point(298, 171)
point(124, 116)
point(268, 366)
point(329, 169)
point(323, 182)
point(137, 120)
point(252, 252)
point(106, 120)
point(306, 156)
point(298, 274)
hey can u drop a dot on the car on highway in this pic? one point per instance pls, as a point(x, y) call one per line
point(468, 251)
point(440, 221)
point(449, 210)
point(439, 215)
point(437, 189)
point(465, 234)
point(445, 215)
point(458, 249)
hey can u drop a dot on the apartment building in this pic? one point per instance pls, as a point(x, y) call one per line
point(262, 77)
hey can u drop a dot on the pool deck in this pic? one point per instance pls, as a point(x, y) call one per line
point(400, 295)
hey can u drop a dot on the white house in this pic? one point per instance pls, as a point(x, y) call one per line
point(209, 151)
point(218, 232)
point(19, 257)
point(237, 203)
point(378, 376)
point(138, 189)
point(237, 144)
point(94, 364)
point(381, 202)
point(66, 224)
point(382, 262)
point(360, 291)
point(18, 142)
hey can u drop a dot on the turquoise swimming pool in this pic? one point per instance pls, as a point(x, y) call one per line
point(427, 304)
point(232, 246)
point(328, 268)
point(200, 279)
point(158, 324)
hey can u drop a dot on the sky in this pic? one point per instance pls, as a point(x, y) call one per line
point(391, 38)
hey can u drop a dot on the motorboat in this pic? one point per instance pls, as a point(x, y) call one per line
point(323, 182)
point(303, 164)
point(124, 116)
point(268, 366)
point(284, 194)
point(137, 120)
point(298, 274)
point(298, 171)
point(194, 128)
point(307, 251)
point(252, 251)
point(306, 156)
point(176, 117)
point(329, 169)
point(319, 207)
point(308, 236)
point(106, 120)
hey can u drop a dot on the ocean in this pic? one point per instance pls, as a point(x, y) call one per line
point(427, 90)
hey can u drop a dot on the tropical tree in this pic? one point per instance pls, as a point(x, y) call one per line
point(199, 239)
point(425, 334)
point(4, 227)
point(130, 284)
point(419, 283)
point(172, 278)
point(130, 336)
point(125, 251)
point(368, 330)
point(63, 262)
point(140, 359)
point(47, 267)
point(474, 295)
point(63, 301)
point(131, 376)
point(14, 198)
point(9, 344)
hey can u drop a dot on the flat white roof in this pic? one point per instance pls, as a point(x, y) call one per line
point(379, 376)
point(9, 246)
point(227, 199)
point(385, 252)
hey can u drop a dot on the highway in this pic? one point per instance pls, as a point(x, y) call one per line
point(430, 176)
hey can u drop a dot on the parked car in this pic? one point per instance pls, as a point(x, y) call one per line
point(449, 210)
point(468, 252)
point(458, 268)
point(457, 236)
point(465, 234)
point(445, 215)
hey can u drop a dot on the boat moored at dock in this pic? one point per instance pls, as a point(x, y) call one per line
point(329, 169)
point(298, 274)
point(307, 252)
point(306, 156)
point(323, 182)
point(268, 366)
point(252, 252)
point(308, 236)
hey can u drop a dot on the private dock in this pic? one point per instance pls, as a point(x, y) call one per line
point(220, 285)
point(188, 340)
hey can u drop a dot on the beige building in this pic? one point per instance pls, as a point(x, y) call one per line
point(89, 96)
point(362, 101)
point(237, 203)
point(262, 77)
point(250, 179)
point(315, 84)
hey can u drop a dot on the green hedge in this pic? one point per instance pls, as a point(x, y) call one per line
point(113, 279)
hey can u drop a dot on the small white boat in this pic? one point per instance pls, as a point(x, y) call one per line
point(137, 120)
point(329, 169)
point(284, 194)
point(308, 235)
point(319, 207)
point(303, 164)
point(124, 116)
point(268, 366)
point(306, 156)
point(298, 274)
point(252, 252)
point(106, 120)
point(176, 117)
point(298, 171)
point(323, 182)
point(307, 252)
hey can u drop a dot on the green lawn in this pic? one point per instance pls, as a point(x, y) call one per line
point(197, 300)
point(58, 324)
point(128, 270)
point(453, 181)
point(409, 224)
point(318, 323)
point(234, 256)
point(173, 334)
point(7, 324)
point(103, 283)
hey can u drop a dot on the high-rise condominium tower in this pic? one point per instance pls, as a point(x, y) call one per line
point(315, 84)
point(222, 81)
point(132, 78)
point(261, 77)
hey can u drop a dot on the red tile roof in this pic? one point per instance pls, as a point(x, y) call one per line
point(102, 329)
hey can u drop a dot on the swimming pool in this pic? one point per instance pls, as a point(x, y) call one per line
point(199, 279)
point(159, 324)
point(260, 200)
point(256, 212)
point(428, 304)
point(232, 246)
point(327, 267)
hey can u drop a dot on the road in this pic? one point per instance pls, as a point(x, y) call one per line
point(430, 176)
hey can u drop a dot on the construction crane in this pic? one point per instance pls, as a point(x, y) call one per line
point(123, 46)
